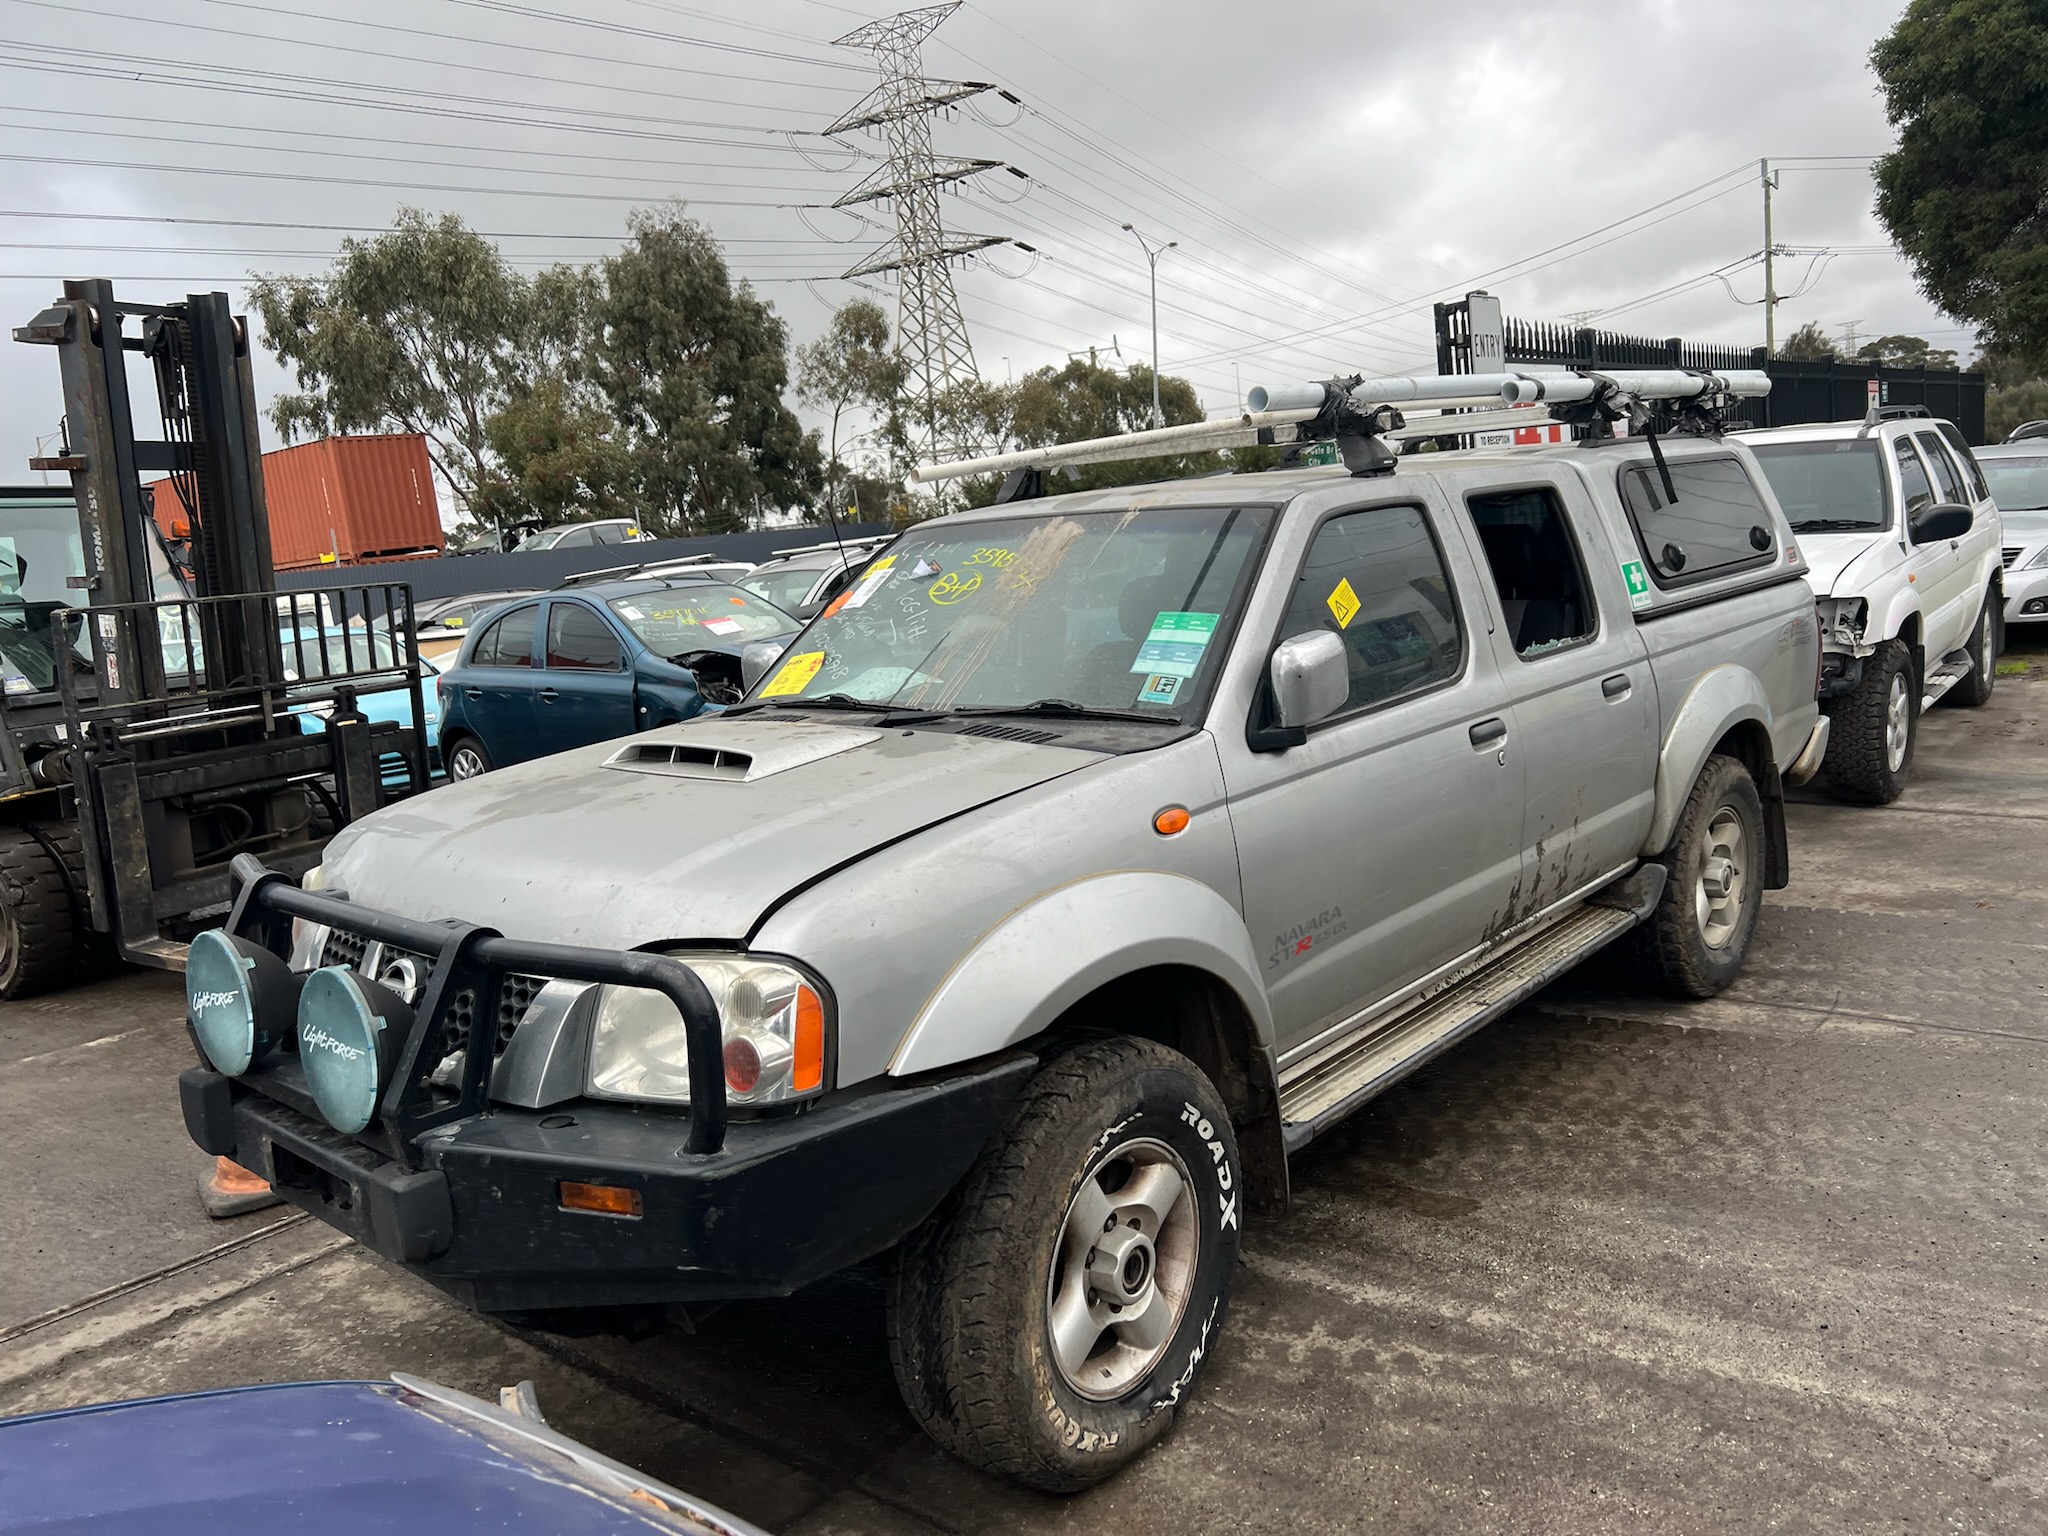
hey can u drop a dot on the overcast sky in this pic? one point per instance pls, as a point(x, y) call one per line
point(1326, 180)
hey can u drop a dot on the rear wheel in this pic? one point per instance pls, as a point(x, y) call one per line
point(1695, 942)
point(467, 759)
point(39, 951)
point(1046, 1323)
point(1870, 742)
point(1975, 689)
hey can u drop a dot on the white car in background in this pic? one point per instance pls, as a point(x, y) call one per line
point(2018, 474)
point(1902, 543)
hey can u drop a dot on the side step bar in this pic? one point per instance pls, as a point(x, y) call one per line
point(1348, 1074)
point(1955, 666)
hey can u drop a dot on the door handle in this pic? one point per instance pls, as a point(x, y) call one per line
point(548, 695)
point(1615, 687)
point(472, 693)
point(1489, 733)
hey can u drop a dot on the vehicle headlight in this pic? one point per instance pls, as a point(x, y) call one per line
point(314, 879)
point(772, 1020)
point(2040, 559)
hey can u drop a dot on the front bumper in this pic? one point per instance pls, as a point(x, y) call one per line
point(466, 1192)
point(2026, 596)
point(785, 1202)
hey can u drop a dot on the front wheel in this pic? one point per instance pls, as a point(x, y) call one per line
point(1975, 688)
point(1870, 742)
point(1048, 1320)
point(467, 759)
point(1695, 942)
point(38, 948)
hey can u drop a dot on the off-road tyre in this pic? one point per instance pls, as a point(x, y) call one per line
point(1673, 946)
point(1975, 688)
point(473, 748)
point(971, 1292)
point(39, 939)
point(1859, 767)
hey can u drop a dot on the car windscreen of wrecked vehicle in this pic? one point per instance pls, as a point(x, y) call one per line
point(1828, 486)
point(1126, 611)
point(679, 620)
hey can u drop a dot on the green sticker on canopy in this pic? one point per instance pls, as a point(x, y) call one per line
point(1638, 581)
point(1175, 644)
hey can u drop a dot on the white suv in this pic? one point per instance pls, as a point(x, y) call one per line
point(1901, 539)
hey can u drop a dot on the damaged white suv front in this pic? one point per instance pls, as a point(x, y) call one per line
point(1901, 539)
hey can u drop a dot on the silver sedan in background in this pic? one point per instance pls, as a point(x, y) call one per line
point(2018, 475)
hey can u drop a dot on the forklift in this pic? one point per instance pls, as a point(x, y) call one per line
point(158, 717)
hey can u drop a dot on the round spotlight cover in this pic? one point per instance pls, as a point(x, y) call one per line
point(349, 1033)
point(219, 1000)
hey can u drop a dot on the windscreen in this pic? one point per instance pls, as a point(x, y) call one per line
point(1828, 487)
point(2017, 485)
point(700, 616)
point(783, 585)
point(39, 548)
point(1121, 611)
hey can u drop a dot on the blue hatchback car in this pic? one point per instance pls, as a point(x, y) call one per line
point(582, 665)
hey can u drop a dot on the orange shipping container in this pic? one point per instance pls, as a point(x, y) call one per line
point(341, 500)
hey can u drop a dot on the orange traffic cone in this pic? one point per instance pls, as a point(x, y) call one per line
point(229, 1189)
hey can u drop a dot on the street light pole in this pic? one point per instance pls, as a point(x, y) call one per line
point(1152, 255)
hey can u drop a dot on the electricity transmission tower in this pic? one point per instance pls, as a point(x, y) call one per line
point(931, 334)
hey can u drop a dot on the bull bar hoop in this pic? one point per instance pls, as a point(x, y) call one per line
point(467, 957)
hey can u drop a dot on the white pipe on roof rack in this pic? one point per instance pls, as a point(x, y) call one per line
point(1236, 431)
point(1431, 388)
point(1643, 384)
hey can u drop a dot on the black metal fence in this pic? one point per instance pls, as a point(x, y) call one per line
point(1802, 389)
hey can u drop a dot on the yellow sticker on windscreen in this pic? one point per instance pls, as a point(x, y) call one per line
point(795, 676)
point(1344, 603)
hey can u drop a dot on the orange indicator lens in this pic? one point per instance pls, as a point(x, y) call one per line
point(603, 1199)
point(807, 1071)
point(1171, 820)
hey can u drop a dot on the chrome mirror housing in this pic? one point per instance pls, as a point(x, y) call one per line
point(1311, 678)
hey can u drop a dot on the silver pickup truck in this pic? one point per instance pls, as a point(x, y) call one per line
point(1085, 859)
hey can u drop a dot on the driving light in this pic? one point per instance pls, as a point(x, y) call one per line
point(240, 998)
point(350, 1031)
point(772, 1023)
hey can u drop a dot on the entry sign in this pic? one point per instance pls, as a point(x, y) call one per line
point(1315, 454)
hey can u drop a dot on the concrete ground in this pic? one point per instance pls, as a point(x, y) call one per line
point(1770, 1262)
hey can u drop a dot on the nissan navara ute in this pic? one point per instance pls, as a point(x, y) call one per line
point(1084, 860)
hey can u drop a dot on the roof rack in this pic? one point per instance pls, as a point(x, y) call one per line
point(834, 545)
point(1363, 417)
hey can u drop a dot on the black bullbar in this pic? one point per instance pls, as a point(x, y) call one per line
point(788, 1201)
point(476, 959)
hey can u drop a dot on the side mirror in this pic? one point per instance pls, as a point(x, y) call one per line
point(1944, 520)
point(756, 657)
point(1311, 676)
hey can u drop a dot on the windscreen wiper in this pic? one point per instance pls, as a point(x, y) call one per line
point(1836, 525)
point(845, 701)
point(1066, 709)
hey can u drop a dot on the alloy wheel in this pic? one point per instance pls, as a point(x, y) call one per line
point(1724, 881)
point(1898, 722)
point(465, 763)
point(1122, 1269)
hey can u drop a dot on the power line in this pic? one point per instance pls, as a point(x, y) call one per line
point(358, 157)
point(361, 181)
point(443, 62)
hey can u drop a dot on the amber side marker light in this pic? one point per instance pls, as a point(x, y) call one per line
point(1171, 820)
point(601, 1199)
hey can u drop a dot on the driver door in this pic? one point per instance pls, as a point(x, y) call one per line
point(1390, 842)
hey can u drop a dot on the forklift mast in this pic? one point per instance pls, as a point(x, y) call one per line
point(193, 722)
